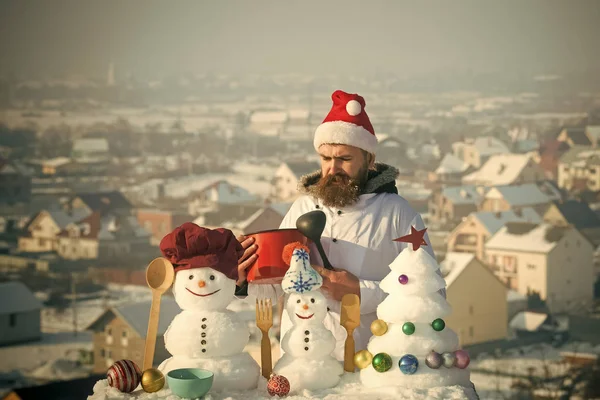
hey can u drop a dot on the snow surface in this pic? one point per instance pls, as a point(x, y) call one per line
point(349, 388)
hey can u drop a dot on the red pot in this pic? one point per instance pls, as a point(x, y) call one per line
point(269, 267)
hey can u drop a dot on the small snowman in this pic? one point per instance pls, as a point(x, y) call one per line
point(205, 334)
point(307, 361)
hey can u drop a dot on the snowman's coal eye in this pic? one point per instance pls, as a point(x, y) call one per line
point(298, 301)
point(191, 277)
point(212, 277)
point(312, 300)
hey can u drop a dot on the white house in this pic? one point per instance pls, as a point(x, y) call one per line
point(220, 192)
point(41, 233)
point(288, 176)
point(554, 261)
point(477, 297)
point(20, 314)
point(506, 169)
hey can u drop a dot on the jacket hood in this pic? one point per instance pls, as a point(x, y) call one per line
point(380, 180)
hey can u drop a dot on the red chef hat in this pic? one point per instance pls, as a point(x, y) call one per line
point(191, 246)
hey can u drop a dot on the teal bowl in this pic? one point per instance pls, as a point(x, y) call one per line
point(190, 383)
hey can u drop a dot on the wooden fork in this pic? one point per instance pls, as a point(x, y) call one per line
point(264, 322)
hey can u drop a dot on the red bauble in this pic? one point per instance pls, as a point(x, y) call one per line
point(278, 385)
point(124, 375)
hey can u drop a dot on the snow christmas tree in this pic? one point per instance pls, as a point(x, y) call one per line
point(411, 346)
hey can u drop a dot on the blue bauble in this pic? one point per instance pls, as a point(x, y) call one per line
point(408, 364)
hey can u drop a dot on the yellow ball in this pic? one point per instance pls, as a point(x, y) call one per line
point(379, 327)
point(363, 359)
point(152, 380)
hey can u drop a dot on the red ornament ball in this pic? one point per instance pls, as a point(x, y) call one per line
point(124, 375)
point(278, 385)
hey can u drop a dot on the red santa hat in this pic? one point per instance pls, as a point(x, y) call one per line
point(347, 123)
point(191, 246)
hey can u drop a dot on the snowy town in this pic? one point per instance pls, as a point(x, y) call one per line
point(95, 171)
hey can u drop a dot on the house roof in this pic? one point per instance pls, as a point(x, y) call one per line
point(499, 169)
point(104, 200)
point(528, 237)
point(488, 145)
point(493, 221)
point(451, 164)
point(60, 217)
point(528, 321)
point(90, 144)
point(136, 316)
point(460, 195)
point(88, 227)
point(302, 168)
point(578, 136)
point(454, 264)
point(526, 145)
point(578, 214)
point(513, 295)
point(15, 297)
point(525, 194)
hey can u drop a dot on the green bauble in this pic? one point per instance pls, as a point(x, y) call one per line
point(408, 328)
point(438, 325)
point(382, 362)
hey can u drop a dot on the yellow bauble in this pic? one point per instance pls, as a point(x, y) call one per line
point(152, 380)
point(379, 327)
point(363, 359)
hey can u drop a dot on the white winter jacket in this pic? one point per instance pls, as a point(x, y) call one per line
point(359, 239)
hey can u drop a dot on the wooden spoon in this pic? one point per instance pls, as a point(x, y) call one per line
point(350, 320)
point(159, 276)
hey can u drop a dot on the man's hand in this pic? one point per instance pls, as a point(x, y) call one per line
point(338, 282)
point(247, 259)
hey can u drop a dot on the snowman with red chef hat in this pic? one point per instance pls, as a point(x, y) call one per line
point(205, 334)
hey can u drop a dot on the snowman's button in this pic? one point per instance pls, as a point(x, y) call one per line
point(339, 212)
point(203, 334)
point(203, 342)
point(203, 326)
point(306, 332)
point(203, 319)
point(334, 240)
point(306, 340)
point(204, 350)
point(317, 206)
point(306, 348)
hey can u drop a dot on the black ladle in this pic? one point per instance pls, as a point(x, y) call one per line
point(312, 225)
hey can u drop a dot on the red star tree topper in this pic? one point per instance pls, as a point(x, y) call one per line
point(415, 237)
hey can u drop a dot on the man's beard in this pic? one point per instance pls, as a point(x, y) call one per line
point(340, 190)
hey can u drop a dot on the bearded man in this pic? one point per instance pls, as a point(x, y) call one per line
point(364, 216)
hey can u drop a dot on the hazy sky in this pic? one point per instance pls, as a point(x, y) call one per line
point(348, 37)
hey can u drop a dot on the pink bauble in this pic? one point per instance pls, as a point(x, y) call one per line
point(278, 385)
point(462, 359)
point(124, 375)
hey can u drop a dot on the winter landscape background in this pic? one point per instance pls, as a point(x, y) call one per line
point(119, 121)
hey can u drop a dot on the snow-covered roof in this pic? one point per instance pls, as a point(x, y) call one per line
point(90, 144)
point(488, 145)
point(499, 169)
point(54, 162)
point(15, 297)
point(298, 113)
point(63, 218)
point(493, 221)
point(454, 264)
point(528, 237)
point(261, 117)
point(465, 194)
point(593, 132)
point(302, 168)
point(528, 321)
point(524, 195)
point(451, 164)
point(136, 315)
